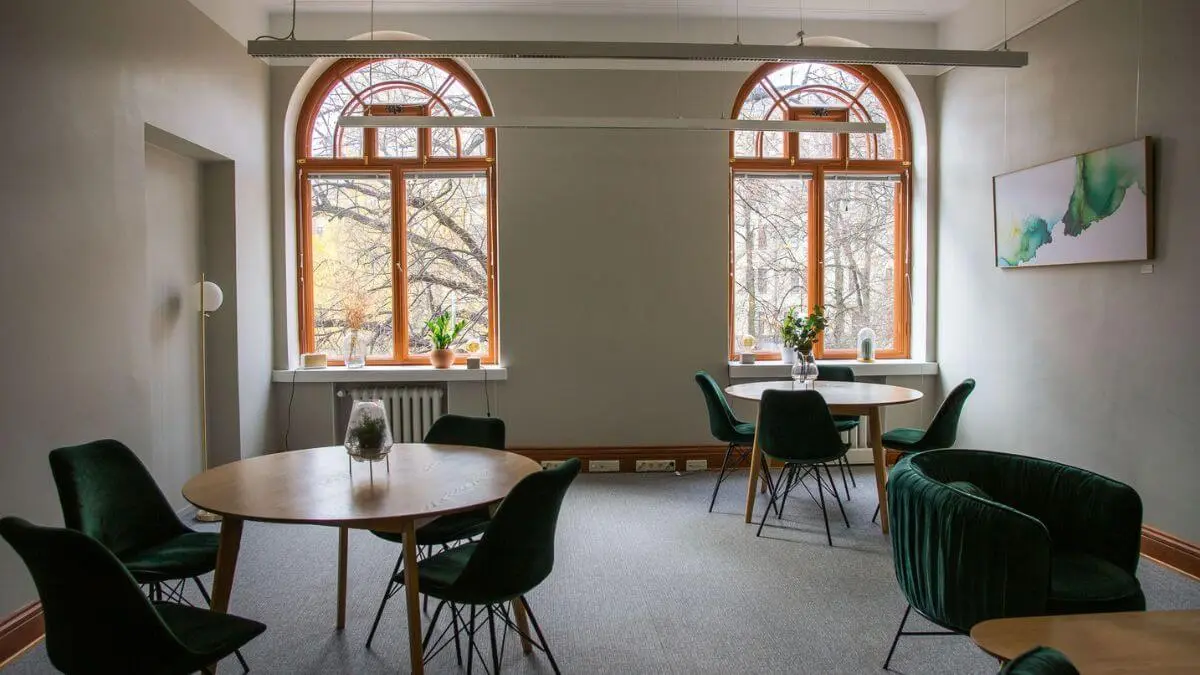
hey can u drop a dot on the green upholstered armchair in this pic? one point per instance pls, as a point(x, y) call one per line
point(983, 535)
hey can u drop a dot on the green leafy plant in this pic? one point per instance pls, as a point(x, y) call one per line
point(369, 432)
point(799, 333)
point(442, 332)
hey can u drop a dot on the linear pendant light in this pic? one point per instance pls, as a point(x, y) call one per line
point(669, 123)
point(641, 51)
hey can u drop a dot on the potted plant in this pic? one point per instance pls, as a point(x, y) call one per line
point(800, 334)
point(368, 438)
point(443, 331)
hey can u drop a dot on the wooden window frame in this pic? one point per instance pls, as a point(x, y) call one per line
point(792, 163)
point(397, 170)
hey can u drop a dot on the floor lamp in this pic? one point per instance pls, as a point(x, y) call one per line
point(210, 301)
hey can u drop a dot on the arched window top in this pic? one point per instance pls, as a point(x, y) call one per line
point(802, 91)
point(435, 87)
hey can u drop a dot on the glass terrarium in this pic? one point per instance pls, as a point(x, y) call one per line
point(866, 345)
point(368, 437)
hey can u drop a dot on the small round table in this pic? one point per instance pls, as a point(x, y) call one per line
point(316, 487)
point(844, 398)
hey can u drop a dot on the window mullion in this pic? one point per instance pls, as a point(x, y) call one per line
point(816, 244)
point(399, 266)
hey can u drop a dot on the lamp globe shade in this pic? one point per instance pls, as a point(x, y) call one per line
point(211, 296)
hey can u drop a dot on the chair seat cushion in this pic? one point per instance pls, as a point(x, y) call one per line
point(845, 422)
point(744, 432)
point(454, 527)
point(1040, 661)
point(206, 632)
point(188, 555)
point(1082, 584)
point(439, 572)
point(903, 439)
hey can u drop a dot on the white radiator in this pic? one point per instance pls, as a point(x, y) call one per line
point(411, 409)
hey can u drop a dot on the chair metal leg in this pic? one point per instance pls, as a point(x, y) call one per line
point(454, 626)
point(837, 496)
point(387, 594)
point(721, 476)
point(774, 495)
point(888, 661)
point(842, 468)
point(432, 624)
point(876, 516)
point(849, 470)
point(492, 636)
point(824, 512)
point(541, 637)
point(471, 641)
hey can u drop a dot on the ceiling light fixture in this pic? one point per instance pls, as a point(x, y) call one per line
point(639, 51)
point(657, 123)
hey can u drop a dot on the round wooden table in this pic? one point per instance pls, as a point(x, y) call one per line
point(844, 398)
point(316, 487)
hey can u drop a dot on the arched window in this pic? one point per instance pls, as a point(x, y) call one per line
point(397, 225)
point(820, 219)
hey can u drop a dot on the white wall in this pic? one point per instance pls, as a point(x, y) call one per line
point(1093, 365)
point(173, 254)
point(79, 306)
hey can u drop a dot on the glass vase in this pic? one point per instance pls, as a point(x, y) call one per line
point(368, 435)
point(811, 371)
point(356, 348)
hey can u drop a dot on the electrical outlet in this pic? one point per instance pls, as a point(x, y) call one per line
point(604, 465)
point(552, 463)
point(697, 465)
point(655, 465)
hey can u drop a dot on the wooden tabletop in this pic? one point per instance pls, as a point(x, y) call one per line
point(316, 486)
point(835, 393)
point(1102, 644)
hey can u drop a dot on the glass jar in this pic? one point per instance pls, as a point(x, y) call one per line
point(368, 435)
point(866, 345)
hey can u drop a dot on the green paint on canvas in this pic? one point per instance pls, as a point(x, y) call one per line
point(1101, 180)
point(1024, 242)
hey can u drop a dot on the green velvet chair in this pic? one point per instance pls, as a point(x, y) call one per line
point(845, 423)
point(985, 535)
point(1040, 661)
point(106, 493)
point(478, 580)
point(725, 427)
point(942, 430)
point(97, 619)
point(482, 432)
point(796, 429)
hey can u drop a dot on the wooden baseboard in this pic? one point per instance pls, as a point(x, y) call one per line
point(1169, 550)
point(21, 631)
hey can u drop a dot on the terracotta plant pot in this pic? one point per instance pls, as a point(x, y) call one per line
point(442, 358)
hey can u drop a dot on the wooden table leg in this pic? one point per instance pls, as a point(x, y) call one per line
point(523, 625)
point(752, 481)
point(412, 597)
point(876, 431)
point(343, 558)
point(227, 555)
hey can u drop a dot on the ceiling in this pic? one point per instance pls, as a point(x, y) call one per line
point(862, 10)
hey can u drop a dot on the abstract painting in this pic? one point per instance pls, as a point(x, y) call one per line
point(1093, 207)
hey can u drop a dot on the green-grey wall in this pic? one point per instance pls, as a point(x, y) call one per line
point(1093, 365)
point(613, 254)
point(87, 82)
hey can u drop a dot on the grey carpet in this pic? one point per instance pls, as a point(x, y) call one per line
point(645, 581)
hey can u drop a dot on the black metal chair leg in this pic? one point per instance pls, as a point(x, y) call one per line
point(432, 624)
point(824, 511)
point(492, 635)
point(887, 662)
point(876, 516)
point(770, 482)
point(471, 641)
point(454, 626)
point(789, 476)
point(203, 591)
point(541, 637)
point(837, 497)
point(720, 477)
point(387, 593)
point(774, 495)
point(842, 469)
point(849, 470)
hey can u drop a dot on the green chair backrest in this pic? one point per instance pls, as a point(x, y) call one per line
point(1041, 661)
point(107, 493)
point(835, 373)
point(97, 619)
point(721, 420)
point(943, 431)
point(480, 432)
point(516, 553)
point(796, 426)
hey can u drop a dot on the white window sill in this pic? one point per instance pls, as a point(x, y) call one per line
point(391, 374)
point(771, 369)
